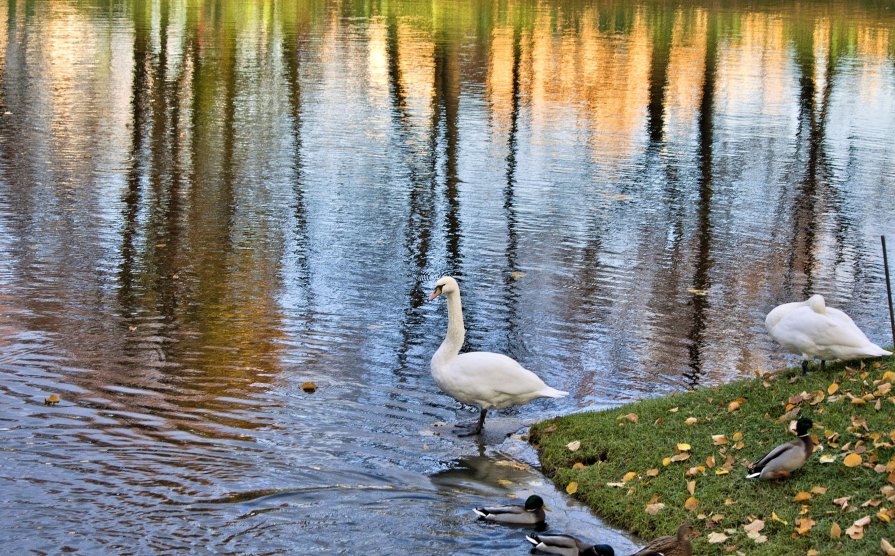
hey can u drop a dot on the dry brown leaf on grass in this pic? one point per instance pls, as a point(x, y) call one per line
point(802, 496)
point(691, 503)
point(835, 531)
point(574, 445)
point(653, 509)
point(887, 547)
point(716, 538)
point(804, 525)
point(856, 531)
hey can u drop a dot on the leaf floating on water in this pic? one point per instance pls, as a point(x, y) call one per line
point(52, 399)
point(698, 292)
point(572, 487)
point(309, 387)
point(574, 445)
point(516, 275)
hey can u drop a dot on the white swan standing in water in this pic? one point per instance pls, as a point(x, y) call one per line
point(813, 330)
point(488, 380)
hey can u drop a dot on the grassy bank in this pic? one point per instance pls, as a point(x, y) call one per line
point(648, 466)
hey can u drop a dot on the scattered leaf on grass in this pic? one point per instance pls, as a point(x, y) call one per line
point(683, 456)
point(716, 538)
point(691, 487)
point(572, 487)
point(827, 458)
point(856, 531)
point(842, 502)
point(852, 460)
point(804, 525)
point(691, 421)
point(832, 389)
point(574, 445)
point(653, 509)
point(629, 476)
point(683, 447)
point(802, 496)
point(735, 404)
point(887, 547)
point(578, 465)
point(652, 472)
point(629, 417)
point(835, 531)
point(719, 439)
point(819, 490)
point(691, 503)
point(776, 518)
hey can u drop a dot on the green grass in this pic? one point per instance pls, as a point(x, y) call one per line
point(612, 446)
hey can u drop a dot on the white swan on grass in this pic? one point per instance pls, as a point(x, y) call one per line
point(813, 330)
point(488, 380)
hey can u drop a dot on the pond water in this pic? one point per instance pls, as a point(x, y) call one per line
point(205, 204)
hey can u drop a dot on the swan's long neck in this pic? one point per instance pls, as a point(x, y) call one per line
point(456, 332)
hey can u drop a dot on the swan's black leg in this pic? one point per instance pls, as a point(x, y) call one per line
point(804, 367)
point(478, 426)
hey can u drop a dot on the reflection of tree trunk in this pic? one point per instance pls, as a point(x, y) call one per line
point(451, 107)
point(663, 25)
point(291, 53)
point(509, 206)
point(703, 265)
point(133, 194)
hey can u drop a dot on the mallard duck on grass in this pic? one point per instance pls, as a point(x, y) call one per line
point(677, 545)
point(780, 462)
point(811, 329)
point(567, 545)
point(531, 513)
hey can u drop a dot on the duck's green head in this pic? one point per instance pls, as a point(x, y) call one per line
point(803, 425)
point(533, 503)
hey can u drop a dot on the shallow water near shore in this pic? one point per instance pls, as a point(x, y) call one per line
point(205, 204)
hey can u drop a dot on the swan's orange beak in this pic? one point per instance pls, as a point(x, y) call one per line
point(435, 294)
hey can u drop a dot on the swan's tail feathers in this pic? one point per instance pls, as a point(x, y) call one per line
point(553, 393)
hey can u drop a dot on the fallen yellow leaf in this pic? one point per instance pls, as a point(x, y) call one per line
point(683, 447)
point(572, 487)
point(776, 518)
point(835, 531)
point(691, 503)
point(578, 465)
point(691, 420)
point(887, 546)
point(832, 389)
point(737, 436)
point(691, 487)
point(652, 472)
point(719, 439)
point(802, 496)
point(852, 460)
point(628, 476)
